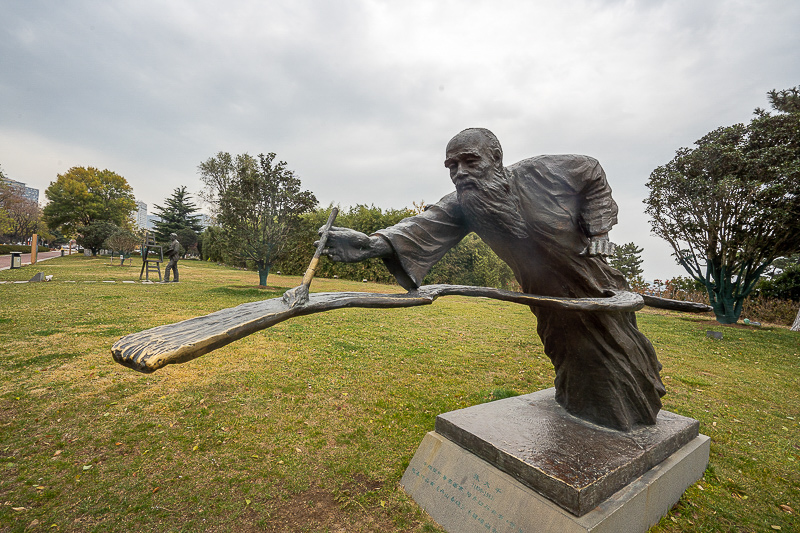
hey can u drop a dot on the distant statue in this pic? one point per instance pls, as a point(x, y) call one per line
point(548, 217)
point(173, 253)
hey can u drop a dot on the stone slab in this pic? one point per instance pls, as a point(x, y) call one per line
point(465, 494)
point(574, 463)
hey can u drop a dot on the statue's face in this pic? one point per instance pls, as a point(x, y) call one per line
point(469, 160)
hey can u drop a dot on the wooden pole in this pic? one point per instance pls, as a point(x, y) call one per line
point(34, 248)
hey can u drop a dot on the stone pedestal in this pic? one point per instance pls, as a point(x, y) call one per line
point(524, 464)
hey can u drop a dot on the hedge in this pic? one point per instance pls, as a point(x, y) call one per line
point(8, 248)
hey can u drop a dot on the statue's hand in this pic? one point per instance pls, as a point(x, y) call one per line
point(349, 246)
point(599, 245)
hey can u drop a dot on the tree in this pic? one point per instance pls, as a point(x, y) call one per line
point(731, 205)
point(176, 215)
point(213, 247)
point(258, 206)
point(628, 260)
point(20, 217)
point(94, 234)
point(83, 195)
point(188, 240)
point(123, 240)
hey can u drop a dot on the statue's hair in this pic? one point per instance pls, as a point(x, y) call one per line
point(491, 140)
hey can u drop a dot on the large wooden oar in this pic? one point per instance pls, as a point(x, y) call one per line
point(149, 350)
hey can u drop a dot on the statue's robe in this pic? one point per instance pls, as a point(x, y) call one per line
point(607, 371)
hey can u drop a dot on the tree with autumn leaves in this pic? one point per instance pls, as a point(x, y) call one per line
point(89, 204)
point(83, 195)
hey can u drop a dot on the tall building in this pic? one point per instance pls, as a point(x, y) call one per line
point(28, 192)
point(141, 214)
point(150, 220)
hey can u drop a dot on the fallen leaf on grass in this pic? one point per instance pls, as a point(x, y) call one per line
point(87, 467)
point(777, 528)
point(247, 502)
point(786, 509)
point(19, 509)
point(155, 490)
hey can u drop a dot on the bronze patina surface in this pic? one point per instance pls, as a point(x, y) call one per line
point(574, 463)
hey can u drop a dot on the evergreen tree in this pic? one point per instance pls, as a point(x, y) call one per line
point(628, 261)
point(177, 216)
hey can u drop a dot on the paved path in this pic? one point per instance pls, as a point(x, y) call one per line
point(5, 260)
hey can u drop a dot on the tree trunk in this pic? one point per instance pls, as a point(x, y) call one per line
point(796, 325)
point(263, 272)
point(725, 308)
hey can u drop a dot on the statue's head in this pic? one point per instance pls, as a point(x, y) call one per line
point(173, 236)
point(473, 155)
point(475, 161)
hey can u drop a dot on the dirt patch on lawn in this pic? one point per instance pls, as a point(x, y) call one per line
point(319, 509)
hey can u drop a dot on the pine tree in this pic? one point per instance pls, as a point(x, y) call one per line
point(176, 216)
point(628, 260)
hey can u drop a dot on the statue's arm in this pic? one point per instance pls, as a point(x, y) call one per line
point(598, 210)
point(409, 248)
point(420, 241)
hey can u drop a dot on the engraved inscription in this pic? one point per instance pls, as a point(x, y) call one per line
point(476, 497)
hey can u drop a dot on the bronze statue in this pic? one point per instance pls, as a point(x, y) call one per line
point(548, 217)
point(173, 253)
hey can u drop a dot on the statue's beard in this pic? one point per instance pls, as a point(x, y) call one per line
point(488, 204)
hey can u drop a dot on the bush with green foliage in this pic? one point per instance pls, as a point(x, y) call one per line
point(784, 286)
point(366, 219)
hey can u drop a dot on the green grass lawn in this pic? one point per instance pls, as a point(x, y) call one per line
point(309, 425)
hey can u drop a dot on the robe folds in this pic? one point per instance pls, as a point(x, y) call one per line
point(607, 371)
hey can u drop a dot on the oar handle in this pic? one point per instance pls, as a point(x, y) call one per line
point(323, 239)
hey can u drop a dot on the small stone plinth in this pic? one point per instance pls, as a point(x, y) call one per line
point(575, 464)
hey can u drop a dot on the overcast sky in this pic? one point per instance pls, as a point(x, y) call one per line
point(360, 97)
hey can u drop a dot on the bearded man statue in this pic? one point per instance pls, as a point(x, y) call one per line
point(548, 218)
